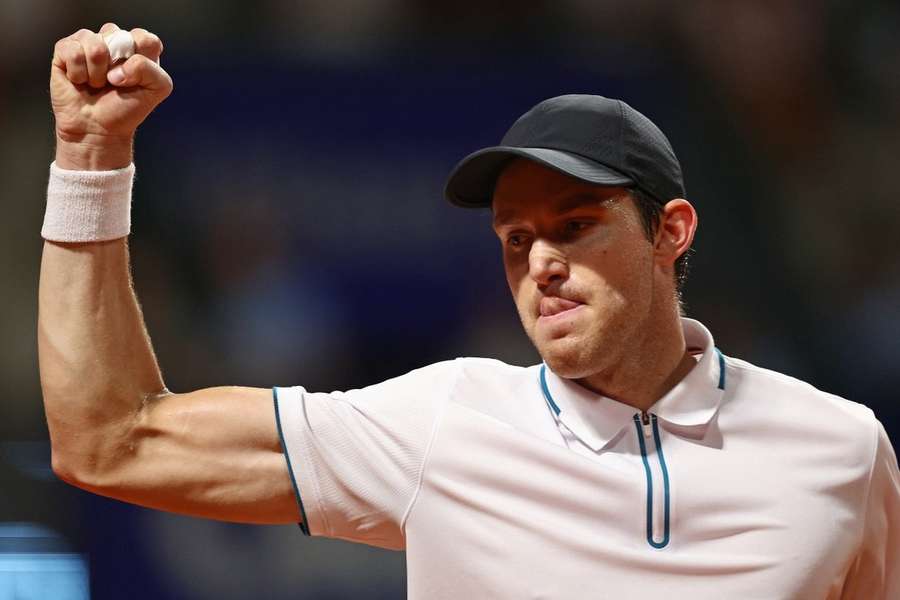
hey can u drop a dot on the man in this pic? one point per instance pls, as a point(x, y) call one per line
point(636, 461)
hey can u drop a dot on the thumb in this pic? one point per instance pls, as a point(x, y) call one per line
point(140, 71)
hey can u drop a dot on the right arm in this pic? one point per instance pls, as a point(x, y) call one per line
point(114, 427)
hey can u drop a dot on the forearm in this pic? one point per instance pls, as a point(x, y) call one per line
point(114, 428)
point(96, 361)
point(213, 453)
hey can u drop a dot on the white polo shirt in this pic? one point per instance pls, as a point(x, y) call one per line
point(511, 482)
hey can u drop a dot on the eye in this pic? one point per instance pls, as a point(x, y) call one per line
point(576, 226)
point(515, 240)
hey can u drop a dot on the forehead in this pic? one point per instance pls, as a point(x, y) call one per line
point(525, 186)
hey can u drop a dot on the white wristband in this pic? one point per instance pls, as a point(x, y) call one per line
point(88, 206)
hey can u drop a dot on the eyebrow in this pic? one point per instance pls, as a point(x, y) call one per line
point(574, 202)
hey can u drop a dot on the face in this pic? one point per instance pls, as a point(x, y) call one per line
point(579, 264)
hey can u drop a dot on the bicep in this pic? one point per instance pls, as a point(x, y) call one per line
point(211, 453)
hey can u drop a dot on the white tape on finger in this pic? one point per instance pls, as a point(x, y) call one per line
point(120, 44)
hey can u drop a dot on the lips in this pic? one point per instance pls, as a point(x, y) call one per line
point(554, 305)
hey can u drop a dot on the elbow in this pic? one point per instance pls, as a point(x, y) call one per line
point(89, 462)
point(65, 468)
point(71, 448)
point(86, 473)
point(74, 467)
point(88, 444)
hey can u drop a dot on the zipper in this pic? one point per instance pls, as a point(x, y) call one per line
point(647, 427)
point(645, 423)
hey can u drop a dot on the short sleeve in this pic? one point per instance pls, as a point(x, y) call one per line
point(875, 573)
point(356, 457)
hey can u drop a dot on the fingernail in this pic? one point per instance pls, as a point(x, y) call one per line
point(116, 76)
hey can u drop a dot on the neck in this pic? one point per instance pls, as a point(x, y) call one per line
point(648, 370)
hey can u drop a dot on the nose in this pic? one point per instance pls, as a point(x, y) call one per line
point(546, 263)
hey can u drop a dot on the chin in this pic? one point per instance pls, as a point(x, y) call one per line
point(567, 358)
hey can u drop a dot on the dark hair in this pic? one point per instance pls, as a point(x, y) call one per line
point(650, 210)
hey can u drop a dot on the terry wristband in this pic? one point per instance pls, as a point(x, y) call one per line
point(88, 206)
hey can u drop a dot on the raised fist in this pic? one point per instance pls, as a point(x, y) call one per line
point(98, 104)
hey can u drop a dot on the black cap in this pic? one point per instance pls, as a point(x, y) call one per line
point(595, 139)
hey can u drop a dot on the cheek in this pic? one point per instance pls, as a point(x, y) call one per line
point(618, 274)
point(518, 281)
point(515, 274)
point(635, 274)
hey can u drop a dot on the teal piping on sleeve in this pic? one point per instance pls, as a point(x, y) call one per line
point(304, 524)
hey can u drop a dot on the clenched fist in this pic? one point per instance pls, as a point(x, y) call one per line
point(99, 105)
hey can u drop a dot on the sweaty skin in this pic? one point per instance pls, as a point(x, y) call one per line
point(596, 297)
point(114, 427)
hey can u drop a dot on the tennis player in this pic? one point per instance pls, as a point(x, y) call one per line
point(636, 461)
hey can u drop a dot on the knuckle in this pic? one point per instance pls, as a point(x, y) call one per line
point(139, 61)
point(76, 56)
point(71, 53)
point(148, 41)
point(64, 49)
point(109, 25)
point(137, 66)
point(96, 53)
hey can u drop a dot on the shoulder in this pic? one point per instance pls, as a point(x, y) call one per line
point(797, 404)
point(489, 377)
point(788, 390)
point(489, 368)
point(435, 378)
point(455, 379)
point(422, 395)
point(494, 388)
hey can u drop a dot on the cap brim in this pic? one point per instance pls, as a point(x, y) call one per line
point(471, 183)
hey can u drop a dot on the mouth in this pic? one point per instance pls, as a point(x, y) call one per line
point(554, 306)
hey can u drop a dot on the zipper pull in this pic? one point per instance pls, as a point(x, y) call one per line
point(645, 421)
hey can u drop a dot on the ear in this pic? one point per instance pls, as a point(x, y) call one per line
point(675, 234)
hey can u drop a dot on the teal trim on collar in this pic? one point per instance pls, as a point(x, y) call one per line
point(721, 369)
point(647, 472)
point(691, 405)
point(304, 525)
point(665, 473)
point(546, 390)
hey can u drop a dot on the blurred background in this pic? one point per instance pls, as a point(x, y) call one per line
point(289, 226)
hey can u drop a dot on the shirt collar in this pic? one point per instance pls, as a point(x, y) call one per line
point(596, 419)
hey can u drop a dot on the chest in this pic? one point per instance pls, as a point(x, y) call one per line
point(743, 520)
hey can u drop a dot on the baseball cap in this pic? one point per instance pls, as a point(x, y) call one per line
point(598, 140)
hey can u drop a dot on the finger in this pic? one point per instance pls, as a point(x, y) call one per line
point(69, 56)
point(97, 54)
point(108, 28)
point(147, 43)
point(81, 34)
point(140, 71)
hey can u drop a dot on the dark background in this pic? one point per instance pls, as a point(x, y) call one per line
point(289, 226)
